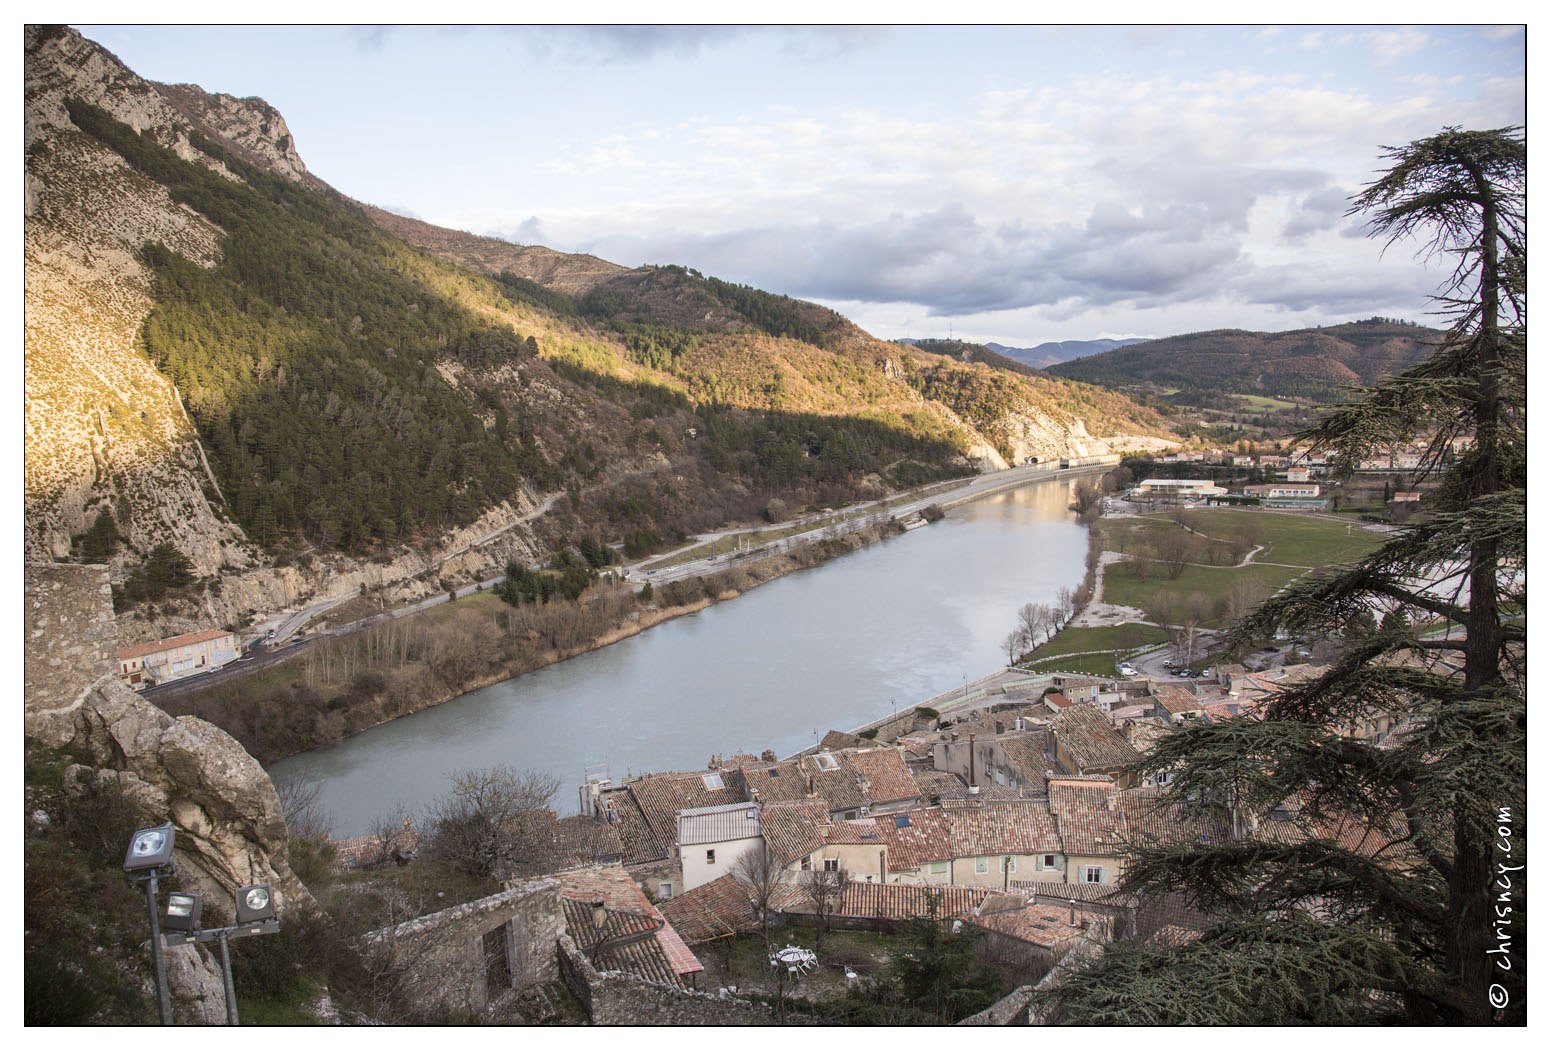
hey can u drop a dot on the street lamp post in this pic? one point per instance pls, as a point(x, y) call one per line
point(149, 851)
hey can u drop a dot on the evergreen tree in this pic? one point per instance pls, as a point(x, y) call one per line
point(1377, 882)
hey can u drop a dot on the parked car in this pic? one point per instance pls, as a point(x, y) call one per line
point(1125, 669)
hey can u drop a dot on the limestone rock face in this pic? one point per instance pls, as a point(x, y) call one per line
point(104, 428)
point(230, 825)
point(198, 989)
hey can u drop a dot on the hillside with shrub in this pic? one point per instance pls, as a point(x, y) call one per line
point(1317, 364)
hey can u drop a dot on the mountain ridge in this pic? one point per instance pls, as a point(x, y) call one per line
point(651, 399)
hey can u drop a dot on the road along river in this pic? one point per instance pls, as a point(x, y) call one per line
point(826, 648)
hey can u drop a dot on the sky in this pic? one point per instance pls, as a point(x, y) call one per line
point(998, 184)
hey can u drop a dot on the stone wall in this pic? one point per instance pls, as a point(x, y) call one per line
point(445, 956)
point(71, 640)
point(617, 998)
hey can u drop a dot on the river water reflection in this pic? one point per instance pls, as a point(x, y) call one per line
point(827, 648)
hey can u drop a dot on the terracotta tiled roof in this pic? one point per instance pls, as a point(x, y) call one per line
point(858, 832)
point(923, 840)
point(793, 830)
point(1084, 817)
point(920, 745)
point(840, 739)
point(717, 909)
point(1091, 740)
point(1153, 817)
point(774, 782)
point(1037, 923)
point(1027, 754)
point(905, 901)
point(641, 844)
point(581, 840)
point(191, 639)
point(935, 784)
point(1049, 893)
point(1172, 937)
point(365, 851)
point(636, 949)
point(1010, 827)
point(621, 897)
point(1057, 701)
point(660, 797)
point(887, 778)
point(1176, 700)
point(1144, 733)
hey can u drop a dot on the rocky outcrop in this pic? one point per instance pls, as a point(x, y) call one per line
point(231, 829)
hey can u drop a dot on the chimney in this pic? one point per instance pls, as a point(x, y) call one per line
point(1073, 903)
point(599, 914)
point(971, 759)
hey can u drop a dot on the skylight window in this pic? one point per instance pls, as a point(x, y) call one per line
point(712, 781)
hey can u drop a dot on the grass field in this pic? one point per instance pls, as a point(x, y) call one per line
point(1116, 637)
point(1212, 583)
point(1298, 539)
point(1088, 664)
point(1289, 538)
point(1258, 401)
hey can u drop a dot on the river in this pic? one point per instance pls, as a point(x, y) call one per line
point(827, 648)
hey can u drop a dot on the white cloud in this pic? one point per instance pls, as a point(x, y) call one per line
point(1392, 45)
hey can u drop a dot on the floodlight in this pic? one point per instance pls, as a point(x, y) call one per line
point(182, 912)
point(255, 903)
point(151, 848)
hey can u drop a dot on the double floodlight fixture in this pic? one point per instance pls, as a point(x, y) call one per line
point(151, 848)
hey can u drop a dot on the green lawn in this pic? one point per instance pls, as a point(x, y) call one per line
point(1294, 539)
point(1091, 664)
point(1116, 637)
point(1299, 539)
point(1213, 583)
point(1259, 401)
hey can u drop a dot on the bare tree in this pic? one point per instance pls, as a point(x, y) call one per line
point(825, 887)
point(1029, 620)
point(301, 802)
point(495, 822)
point(1066, 604)
point(757, 869)
point(1246, 594)
point(392, 840)
point(1175, 549)
point(1013, 645)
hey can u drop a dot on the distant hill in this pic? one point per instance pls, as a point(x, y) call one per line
point(1314, 363)
point(1048, 354)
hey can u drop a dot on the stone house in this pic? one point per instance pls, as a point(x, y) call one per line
point(473, 960)
point(178, 657)
point(1017, 761)
point(613, 924)
point(1087, 743)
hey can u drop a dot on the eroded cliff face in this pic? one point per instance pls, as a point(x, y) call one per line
point(104, 428)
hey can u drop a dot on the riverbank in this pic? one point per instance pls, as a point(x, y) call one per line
point(343, 686)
